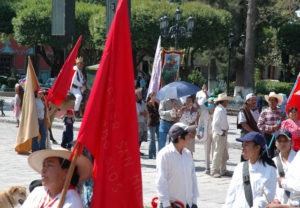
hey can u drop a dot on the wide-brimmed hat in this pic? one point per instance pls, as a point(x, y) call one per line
point(222, 96)
point(84, 165)
point(274, 95)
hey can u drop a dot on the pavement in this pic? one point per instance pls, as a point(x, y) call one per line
point(14, 169)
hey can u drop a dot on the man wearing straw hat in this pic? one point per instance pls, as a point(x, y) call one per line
point(78, 82)
point(269, 118)
point(220, 128)
point(53, 166)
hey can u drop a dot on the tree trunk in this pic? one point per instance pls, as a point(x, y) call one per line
point(250, 48)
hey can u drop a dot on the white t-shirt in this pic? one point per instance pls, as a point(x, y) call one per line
point(39, 196)
point(201, 96)
point(242, 117)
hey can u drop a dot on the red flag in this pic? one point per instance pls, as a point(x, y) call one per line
point(109, 128)
point(61, 86)
point(294, 97)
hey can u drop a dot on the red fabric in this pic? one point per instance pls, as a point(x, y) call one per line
point(109, 128)
point(296, 143)
point(294, 100)
point(61, 86)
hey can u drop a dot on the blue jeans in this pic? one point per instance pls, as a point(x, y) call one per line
point(152, 145)
point(164, 128)
point(67, 139)
point(42, 144)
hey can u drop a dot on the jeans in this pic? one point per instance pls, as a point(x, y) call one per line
point(152, 145)
point(42, 144)
point(67, 139)
point(164, 128)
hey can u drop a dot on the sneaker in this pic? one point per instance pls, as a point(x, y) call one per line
point(216, 175)
point(142, 154)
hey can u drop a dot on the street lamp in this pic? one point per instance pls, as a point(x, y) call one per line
point(230, 40)
point(176, 31)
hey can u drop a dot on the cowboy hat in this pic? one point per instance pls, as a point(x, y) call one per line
point(221, 97)
point(84, 166)
point(274, 95)
point(138, 91)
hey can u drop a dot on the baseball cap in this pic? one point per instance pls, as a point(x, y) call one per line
point(70, 111)
point(285, 133)
point(250, 95)
point(253, 136)
point(179, 128)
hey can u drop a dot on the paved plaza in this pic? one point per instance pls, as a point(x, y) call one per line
point(14, 169)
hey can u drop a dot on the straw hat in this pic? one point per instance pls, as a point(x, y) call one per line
point(274, 95)
point(84, 166)
point(79, 60)
point(138, 91)
point(221, 97)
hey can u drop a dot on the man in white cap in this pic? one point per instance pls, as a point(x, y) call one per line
point(176, 180)
point(248, 116)
point(53, 166)
point(78, 82)
point(220, 128)
point(269, 118)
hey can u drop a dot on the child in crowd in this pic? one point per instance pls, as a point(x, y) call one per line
point(18, 101)
point(69, 120)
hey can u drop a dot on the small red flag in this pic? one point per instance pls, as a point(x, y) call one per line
point(109, 128)
point(294, 97)
point(61, 86)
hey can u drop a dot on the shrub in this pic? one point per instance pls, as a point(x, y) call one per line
point(265, 87)
point(196, 78)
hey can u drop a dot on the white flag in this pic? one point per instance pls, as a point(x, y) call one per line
point(156, 70)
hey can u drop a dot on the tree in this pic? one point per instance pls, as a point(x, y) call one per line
point(6, 15)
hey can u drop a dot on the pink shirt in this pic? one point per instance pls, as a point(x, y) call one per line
point(293, 127)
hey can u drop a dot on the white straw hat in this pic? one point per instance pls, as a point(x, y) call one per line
point(221, 97)
point(274, 95)
point(84, 165)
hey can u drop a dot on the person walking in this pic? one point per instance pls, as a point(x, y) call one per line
point(269, 118)
point(168, 113)
point(248, 116)
point(293, 125)
point(142, 117)
point(204, 131)
point(153, 123)
point(220, 128)
point(78, 82)
point(40, 110)
point(18, 102)
point(67, 138)
point(175, 170)
point(253, 183)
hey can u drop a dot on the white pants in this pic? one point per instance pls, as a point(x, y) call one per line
point(78, 97)
point(220, 154)
point(209, 149)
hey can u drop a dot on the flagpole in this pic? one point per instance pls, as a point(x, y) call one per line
point(69, 177)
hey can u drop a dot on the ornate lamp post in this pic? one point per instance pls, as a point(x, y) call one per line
point(176, 31)
point(230, 40)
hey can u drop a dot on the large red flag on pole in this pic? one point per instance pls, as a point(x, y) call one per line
point(61, 86)
point(109, 128)
point(294, 97)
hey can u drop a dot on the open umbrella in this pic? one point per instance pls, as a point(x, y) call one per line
point(176, 90)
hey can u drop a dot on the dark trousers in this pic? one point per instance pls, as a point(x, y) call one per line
point(67, 139)
point(272, 149)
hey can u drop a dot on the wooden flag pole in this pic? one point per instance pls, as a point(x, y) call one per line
point(69, 177)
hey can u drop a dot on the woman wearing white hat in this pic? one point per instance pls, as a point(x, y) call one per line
point(268, 121)
point(53, 166)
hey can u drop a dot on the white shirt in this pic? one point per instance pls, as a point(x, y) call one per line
point(280, 195)
point(242, 117)
point(78, 78)
point(141, 108)
point(40, 108)
point(261, 177)
point(39, 195)
point(201, 96)
point(176, 178)
point(291, 182)
point(220, 122)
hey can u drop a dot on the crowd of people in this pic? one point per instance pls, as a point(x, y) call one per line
point(267, 175)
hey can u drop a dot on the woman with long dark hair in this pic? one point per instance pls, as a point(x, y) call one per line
point(253, 182)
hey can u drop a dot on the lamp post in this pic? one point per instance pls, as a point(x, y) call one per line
point(176, 31)
point(230, 39)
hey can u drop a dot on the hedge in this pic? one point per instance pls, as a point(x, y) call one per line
point(265, 87)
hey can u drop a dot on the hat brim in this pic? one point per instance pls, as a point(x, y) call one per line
point(278, 97)
point(84, 165)
point(223, 98)
point(283, 134)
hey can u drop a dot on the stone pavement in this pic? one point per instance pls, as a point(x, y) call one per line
point(14, 169)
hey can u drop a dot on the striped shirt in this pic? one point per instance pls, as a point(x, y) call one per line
point(269, 118)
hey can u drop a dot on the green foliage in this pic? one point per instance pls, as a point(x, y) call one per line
point(265, 87)
point(197, 78)
point(6, 15)
point(97, 28)
point(288, 38)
